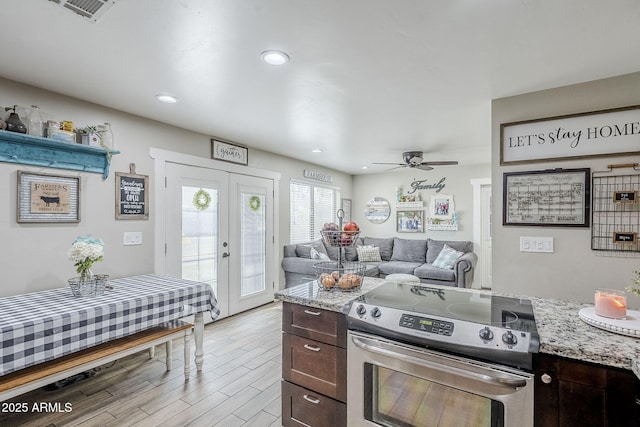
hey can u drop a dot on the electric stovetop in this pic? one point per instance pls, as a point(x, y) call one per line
point(479, 325)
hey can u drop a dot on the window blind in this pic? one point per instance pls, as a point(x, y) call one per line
point(311, 206)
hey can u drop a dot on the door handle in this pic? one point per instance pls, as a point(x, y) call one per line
point(225, 255)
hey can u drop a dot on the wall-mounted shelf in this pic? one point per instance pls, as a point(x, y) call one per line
point(442, 227)
point(409, 205)
point(36, 151)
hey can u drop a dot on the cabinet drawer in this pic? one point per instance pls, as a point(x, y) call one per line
point(325, 326)
point(302, 407)
point(315, 365)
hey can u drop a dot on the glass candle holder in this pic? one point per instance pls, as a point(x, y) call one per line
point(611, 303)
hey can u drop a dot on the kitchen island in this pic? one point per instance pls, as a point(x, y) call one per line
point(562, 332)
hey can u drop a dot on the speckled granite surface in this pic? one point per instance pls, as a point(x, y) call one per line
point(561, 330)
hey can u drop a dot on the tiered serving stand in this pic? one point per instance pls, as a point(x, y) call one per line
point(341, 275)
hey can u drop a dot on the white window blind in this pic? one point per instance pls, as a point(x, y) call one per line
point(311, 206)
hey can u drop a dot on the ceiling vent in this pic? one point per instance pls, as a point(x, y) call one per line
point(91, 10)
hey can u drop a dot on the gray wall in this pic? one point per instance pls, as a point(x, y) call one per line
point(34, 256)
point(573, 271)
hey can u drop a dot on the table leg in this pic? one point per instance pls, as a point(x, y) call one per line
point(169, 349)
point(198, 329)
point(187, 353)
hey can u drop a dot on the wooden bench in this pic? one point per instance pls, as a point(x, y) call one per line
point(33, 377)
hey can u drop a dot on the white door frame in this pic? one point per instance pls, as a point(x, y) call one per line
point(477, 227)
point(161, 158)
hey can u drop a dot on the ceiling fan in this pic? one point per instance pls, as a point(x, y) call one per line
point(413, 159)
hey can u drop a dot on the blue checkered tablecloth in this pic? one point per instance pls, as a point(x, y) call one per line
point(41, 326)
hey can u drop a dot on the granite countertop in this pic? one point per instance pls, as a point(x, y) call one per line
point(561, 330)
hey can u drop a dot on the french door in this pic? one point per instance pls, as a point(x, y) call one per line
point(219, 230)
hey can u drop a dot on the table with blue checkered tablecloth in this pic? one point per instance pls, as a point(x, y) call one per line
point(41, 326)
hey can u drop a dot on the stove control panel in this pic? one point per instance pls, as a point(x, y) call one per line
point(426, 324)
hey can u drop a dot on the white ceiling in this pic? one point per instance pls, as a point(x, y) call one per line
point(367, 80)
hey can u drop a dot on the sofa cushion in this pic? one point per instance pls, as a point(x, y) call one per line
point(315, 254)
point(349, 254)
point(409, 250)
point(385, 245)
point(304, 250)
point(428, 271)
point(447, 257)
point(299, 265)
point(391, 267)
point(368, 254)
point(435, 246)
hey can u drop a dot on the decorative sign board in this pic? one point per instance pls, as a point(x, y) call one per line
point(319, 176)
point(423, 184)
point(132, 195)
point(48, 198)
point(601, 133)
point(228, 152)
point(557, 197)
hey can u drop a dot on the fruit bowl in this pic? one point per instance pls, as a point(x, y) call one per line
point(347, 276)
point(337, 238)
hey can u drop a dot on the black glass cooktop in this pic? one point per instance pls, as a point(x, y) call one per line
point(476, 307)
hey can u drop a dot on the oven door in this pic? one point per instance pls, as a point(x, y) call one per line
point(394, 384)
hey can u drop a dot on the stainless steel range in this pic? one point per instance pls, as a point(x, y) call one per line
point(429, 356)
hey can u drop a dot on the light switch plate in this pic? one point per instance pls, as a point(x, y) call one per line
point(132, 238)
point(536, 244)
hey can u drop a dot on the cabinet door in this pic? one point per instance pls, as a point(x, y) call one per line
point(302, 407)
point(320, 325)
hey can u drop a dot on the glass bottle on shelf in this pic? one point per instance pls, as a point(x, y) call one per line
point(35, 125)
point(106, 136)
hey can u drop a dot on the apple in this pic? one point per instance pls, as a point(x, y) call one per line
point(346, 239)
point(351, 226)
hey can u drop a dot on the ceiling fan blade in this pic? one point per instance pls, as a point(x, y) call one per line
point(424, 167)
point(396, 167)
point(397, 164)
point(442, 163)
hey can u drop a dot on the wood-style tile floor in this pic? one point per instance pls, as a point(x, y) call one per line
point(239, 384)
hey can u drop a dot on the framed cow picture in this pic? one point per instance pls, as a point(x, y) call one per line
point(48, 198)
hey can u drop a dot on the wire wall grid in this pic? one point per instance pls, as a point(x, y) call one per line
point(615, 212)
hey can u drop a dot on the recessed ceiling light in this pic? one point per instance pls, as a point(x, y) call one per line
point(317, 150)
point(364, 167)
point(274, 57)
point(166, 98)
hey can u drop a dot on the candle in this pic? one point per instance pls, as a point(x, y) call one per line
point(611, 303)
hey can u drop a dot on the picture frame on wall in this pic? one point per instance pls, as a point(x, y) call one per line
point(410, 221)
point(549, 198)
point(229, 152)
point(442, 206)
point(346, 208)
point(132, 195)
point(45, 198)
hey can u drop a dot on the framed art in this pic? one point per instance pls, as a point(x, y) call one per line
point(346, 208)
point(132, 196)
point(47, 198)
point(410, 221)
point(378, 210)
point(442, 206)
point(228, 152)
point(551, 198)
point(612, 132)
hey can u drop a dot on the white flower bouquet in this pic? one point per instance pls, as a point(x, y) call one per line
point(84, 252)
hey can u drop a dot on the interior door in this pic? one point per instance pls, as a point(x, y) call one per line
point(219, 230)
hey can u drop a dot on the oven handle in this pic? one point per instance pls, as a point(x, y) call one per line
point(508, 382)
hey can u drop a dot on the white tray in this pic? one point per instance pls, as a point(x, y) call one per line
point(629, 326)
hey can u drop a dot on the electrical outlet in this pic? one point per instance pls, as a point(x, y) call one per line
point(132, 238)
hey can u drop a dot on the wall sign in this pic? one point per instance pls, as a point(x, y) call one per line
point(229, 152)
point(319, 176)
point(132, 195)
point(424, 185)
point(48, 198)
point(556, 197)
point(601, 133)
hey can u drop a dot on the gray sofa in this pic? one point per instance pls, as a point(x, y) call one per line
point(407, 256)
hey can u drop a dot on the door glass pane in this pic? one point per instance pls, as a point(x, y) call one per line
point(252, 243)
point(200, 235)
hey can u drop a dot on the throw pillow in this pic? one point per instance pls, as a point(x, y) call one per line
point(447, 258)
point(368, 254)
point(409, 250)
point(304, 251)
point(385, 245)
point(318, 255)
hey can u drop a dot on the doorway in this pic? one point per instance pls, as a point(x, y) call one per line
point(218, 227)
point(482, 232)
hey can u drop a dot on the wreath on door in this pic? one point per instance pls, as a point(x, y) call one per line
point(254, 203)
point(201, 200)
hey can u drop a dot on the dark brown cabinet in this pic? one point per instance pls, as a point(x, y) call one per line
point(572, 393)
point(314, 367)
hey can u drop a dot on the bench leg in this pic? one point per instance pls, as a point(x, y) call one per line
point(198, 329)
point(169, 349)
point(187, 353)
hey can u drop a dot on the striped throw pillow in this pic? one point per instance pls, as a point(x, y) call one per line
point(447, 258)
point(368, 254)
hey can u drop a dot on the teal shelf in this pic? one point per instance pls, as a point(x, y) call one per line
point(36, 151)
